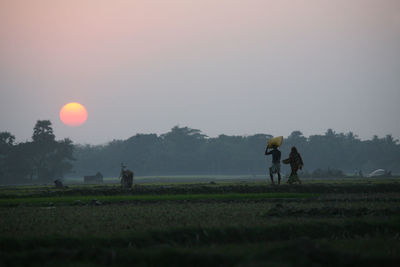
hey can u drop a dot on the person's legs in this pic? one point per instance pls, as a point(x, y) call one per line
point(294, 176)
point(291, 176)
point(271, 174)
point(278, 171)
point(297, 177)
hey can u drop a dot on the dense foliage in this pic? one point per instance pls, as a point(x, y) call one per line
point(187, 151)
point(42, 159)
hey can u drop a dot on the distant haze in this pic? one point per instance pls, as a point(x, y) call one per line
point(221, 66)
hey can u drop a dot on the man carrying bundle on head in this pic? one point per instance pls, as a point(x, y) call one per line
point(296, 163)
point(276, 158)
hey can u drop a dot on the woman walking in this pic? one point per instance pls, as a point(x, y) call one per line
point(296, 163)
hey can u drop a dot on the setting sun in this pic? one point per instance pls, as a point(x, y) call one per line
point(73, 114)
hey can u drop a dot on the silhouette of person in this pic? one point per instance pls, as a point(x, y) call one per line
point(296, 163)
point(276, 163)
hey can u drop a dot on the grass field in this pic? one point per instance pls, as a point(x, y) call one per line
point(229, 223)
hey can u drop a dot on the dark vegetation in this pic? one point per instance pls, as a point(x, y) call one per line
point(43, 159)
point(187, 151)
point(348, 223)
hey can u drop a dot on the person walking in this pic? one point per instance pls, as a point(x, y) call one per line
point(276, 163)
point(296, 163)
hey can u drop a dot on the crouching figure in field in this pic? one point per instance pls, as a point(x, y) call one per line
point(58, 183)
point(126, 177)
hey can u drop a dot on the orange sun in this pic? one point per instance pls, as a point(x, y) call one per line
point(73, 114)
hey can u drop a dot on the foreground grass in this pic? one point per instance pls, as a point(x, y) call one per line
point(298, 252)
point(349, 243)
point(129, 198)
point(233, 224)
point(312, 187)
point(119, 220)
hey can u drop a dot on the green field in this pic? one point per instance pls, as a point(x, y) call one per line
point(229, 223)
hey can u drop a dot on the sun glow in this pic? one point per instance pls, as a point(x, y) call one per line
point(73, 114)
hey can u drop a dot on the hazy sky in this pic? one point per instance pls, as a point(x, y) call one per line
point(221, 66)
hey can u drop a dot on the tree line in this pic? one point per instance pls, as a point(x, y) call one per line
point(188, 151)
point(43, 159)
point(184, 150)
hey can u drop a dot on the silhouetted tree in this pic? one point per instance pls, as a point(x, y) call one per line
point(6, 147)
point(50, 158)
point(6, 139)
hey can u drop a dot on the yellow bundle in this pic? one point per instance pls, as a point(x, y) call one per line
point(277, 141)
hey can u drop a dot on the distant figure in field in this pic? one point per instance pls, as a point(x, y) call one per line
point(296, 163)
point(126, 177)
point(276, 163)
point(58, 184)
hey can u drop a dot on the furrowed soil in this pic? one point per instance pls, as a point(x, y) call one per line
point(196, 224)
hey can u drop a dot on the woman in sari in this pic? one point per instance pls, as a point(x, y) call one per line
point(296, 163)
